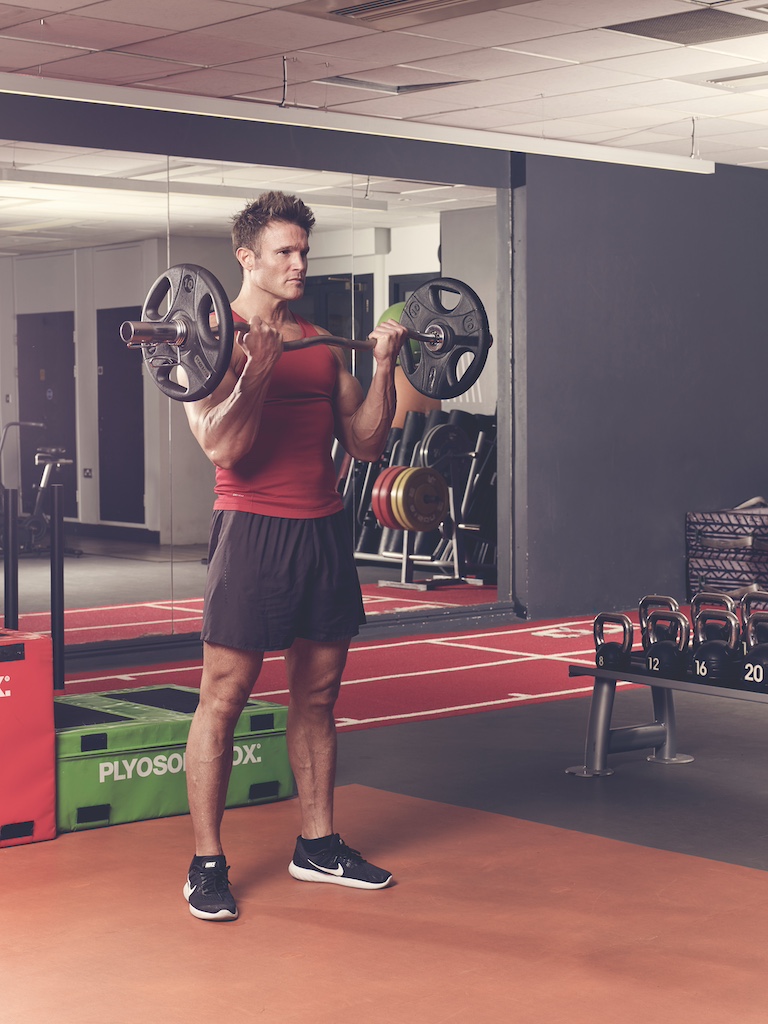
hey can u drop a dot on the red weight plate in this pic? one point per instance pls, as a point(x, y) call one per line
point(381, 504)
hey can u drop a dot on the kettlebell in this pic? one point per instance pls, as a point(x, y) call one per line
point(748, 602)
point(612, 654)
point(666, 655)
point(716, 630)
point(649, 602)
point(716, 661)
point(754, 669)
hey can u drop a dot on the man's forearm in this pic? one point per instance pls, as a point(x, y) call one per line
point(228, 431)
point(368, 428)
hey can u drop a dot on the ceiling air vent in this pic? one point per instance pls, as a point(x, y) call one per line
point(399, 14)
point(694, 27)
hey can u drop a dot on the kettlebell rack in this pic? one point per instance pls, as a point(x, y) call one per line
point(661, 733)
point(726, 659)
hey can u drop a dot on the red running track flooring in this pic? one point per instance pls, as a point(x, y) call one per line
point(416, 679)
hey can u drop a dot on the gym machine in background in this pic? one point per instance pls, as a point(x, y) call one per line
point(429, 503)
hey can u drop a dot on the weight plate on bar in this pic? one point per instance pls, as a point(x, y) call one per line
point(420, 499)
point(204, 354)
point(461, 329)
point(441, 441)
point(381, 497)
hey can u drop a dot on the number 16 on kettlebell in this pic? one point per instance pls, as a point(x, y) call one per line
point(716, 661)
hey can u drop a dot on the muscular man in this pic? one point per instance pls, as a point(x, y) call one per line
point(281, 570)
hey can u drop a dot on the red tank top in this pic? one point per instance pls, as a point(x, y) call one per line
point(289, 472)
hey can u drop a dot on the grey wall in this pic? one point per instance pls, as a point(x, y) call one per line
point(645, 350)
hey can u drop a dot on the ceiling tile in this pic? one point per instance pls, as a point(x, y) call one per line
point(199, 46)
point(275, 29)
point(402, 106)
point(302, 66)
point(171, 14)
point(754, 48)
point(728, 104)
point(486, 63)
point(83, 32)
point(305, 94)
point(570, 78)
point(672, 63)
point(384, 47)
point(17, 55)
point(203, 82)
point(398, 75)
point(11, 15)
point(597, 13)
point(51, 6)
point(592, 45)
point(490, 28)
point(119, 68)
point(482, 118)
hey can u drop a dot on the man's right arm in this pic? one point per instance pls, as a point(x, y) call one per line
point(226, 422)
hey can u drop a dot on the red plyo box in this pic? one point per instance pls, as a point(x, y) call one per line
point(27, 739)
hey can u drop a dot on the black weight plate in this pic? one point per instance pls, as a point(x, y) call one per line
point(444, 440)
point(193, 294)
point(462, 329)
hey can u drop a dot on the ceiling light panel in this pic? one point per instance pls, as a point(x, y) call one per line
point(694, 27)
point(398, 14)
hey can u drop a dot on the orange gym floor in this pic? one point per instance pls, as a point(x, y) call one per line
point(523, 894)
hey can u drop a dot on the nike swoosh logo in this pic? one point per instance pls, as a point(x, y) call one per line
point(338, 870)
point(192, 889)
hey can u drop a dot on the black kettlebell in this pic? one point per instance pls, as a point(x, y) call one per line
point(748, 602)
point(754, 668)
point(611, 654)
point(716, 629)
point(666, 654)
point(649, 602)
point(716, 662)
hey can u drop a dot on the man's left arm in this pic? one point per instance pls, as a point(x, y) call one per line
point(363, 422)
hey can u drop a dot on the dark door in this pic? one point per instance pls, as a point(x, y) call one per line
point(342, 305)
point(46, 360)
point(402, 286)
point(121, 420)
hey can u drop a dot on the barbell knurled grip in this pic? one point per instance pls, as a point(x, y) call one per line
point(328, 339)
point(352, 343)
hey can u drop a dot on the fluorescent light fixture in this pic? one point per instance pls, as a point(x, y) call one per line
point(396, 90)
point(271, 113)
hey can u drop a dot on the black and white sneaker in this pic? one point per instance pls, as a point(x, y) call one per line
point(339, 864)
point(207, 889)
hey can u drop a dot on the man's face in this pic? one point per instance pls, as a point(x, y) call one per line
point(280, 268)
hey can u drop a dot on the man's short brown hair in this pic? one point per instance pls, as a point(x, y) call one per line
point(248, 225)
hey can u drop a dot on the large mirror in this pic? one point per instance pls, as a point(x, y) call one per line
point(84, 234)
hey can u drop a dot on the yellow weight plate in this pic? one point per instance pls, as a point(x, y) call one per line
point(395, 496)
point(420, 499)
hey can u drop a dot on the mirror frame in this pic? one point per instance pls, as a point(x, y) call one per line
point(168, 133)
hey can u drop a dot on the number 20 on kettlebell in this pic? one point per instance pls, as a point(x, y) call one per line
point(754, 673)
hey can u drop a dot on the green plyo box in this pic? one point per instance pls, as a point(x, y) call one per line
point(120, 756)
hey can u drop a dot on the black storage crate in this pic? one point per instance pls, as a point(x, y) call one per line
point(727, 550)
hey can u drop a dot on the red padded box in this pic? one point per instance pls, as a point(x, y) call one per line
point(27, 739)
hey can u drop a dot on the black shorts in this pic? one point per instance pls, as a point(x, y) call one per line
point(272, 580)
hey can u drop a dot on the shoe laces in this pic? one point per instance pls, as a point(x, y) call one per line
point(214, 880)
point(342, 850)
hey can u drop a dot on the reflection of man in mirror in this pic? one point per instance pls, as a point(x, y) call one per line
point(281, 574)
